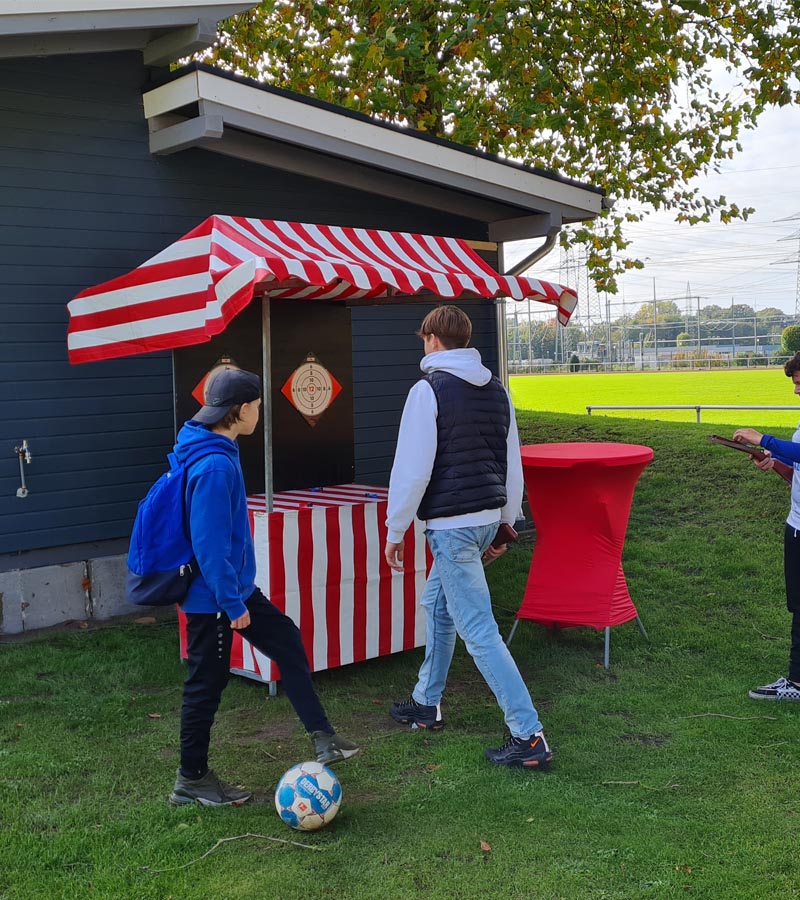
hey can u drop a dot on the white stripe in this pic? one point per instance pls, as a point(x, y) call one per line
point(347, 603)
point(468, 264)
point(265, 668)
point(313, 255)
point(151, 292)
point(398, 610)
point(135, 331)
point(385, 273)
point(359, 277)
point(408, 266)
point(237, 278)
point(247, 655)
point(373, 617)
point(291, 540)
point(420, 578)
point(319, 578)
point(185, 248)
point(261, 545)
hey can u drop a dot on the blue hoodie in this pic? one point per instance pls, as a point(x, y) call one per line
point(216, 507)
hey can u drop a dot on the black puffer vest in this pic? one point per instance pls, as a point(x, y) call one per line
point(469, 470)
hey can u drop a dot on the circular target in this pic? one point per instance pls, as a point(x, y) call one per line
point(311, 389)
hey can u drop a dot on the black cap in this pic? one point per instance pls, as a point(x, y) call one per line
point(225, 389)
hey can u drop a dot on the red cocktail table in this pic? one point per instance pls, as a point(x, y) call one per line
point(580, 496)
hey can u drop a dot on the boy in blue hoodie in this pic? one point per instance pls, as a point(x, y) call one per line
point(223, 597)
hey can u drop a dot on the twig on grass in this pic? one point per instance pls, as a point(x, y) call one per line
point(669, 784)
point(767, 637)
point(226, 840)
point(723, 716)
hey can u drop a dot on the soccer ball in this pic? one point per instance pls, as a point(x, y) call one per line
point(308, 796)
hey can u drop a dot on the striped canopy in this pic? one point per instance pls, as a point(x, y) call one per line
point(191, 290)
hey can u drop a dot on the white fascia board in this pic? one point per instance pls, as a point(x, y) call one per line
point(171, 96)
point(272, 115)
point(20, 19)
point(67, 7)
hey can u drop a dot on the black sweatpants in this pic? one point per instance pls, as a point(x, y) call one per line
point(209, 639)
point(791, 571)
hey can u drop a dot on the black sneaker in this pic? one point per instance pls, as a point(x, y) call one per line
point(527, 752)
point(330, 748)
point(210, 790)
point(782, 689)
point(417, 715)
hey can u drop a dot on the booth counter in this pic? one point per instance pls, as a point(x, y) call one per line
point(319, 558)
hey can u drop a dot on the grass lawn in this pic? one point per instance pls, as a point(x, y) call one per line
point(667, 781)
point(739, 387)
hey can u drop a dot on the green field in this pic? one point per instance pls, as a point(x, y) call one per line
point(667, 782)
point(753, 387)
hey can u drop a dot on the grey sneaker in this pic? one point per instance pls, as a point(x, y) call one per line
point(331, 748)
point(209, 790)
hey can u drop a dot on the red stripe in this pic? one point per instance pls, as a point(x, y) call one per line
point(237, 653)
point(409, 590)
point(182, 636)
point(305, 565)
point(277, 566)
point(277, 569)
point(384, 587)
point(359, 584)
point(144, 274)
point(333, 587)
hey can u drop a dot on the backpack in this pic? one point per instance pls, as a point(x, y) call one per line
point(161, 563)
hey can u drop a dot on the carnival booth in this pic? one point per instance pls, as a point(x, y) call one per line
point(276, 298)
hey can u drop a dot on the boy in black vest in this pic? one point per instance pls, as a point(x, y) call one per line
point(457, 466)
point(224, 596)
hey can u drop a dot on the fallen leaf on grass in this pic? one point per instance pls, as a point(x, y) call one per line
point(485, 847)
point(154, 715)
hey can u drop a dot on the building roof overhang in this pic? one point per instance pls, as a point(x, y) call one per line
point(163, 30)
point(200, 106)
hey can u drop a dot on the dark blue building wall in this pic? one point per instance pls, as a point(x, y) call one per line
point(82, 201)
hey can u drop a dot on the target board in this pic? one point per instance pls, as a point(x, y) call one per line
point(311, 389)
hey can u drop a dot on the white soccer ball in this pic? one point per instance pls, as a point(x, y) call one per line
point(308, 796)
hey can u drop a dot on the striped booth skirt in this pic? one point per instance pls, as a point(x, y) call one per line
point(319, 559)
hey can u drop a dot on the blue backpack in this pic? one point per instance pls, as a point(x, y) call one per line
point(161, 563)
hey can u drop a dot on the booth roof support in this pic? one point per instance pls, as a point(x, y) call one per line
point(500, 318)
point(266, 386)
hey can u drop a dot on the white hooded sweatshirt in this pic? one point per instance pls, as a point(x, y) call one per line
point(416, 451)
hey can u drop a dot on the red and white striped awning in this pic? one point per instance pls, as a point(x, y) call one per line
point(191, 290)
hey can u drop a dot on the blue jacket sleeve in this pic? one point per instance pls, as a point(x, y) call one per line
point(211, 528)
point(786, 451)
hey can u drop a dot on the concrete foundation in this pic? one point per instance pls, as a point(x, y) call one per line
point(49, 595)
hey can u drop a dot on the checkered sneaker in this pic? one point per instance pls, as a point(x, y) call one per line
point(782, 689)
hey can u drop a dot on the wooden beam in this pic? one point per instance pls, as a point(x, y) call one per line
point(482, 245)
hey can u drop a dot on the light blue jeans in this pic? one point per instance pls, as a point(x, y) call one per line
point(456, 601)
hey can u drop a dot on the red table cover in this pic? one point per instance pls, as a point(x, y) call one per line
point(580, 496)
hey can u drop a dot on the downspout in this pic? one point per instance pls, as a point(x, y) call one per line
point(500, 306)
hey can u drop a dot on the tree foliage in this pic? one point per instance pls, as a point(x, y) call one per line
point(622, 94)
point(790, 339)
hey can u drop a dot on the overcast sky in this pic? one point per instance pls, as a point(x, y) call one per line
point(723, 263)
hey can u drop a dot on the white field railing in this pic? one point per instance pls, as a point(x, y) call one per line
point(696, 407)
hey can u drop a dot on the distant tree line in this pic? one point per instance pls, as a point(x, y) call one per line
point(537, 338)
